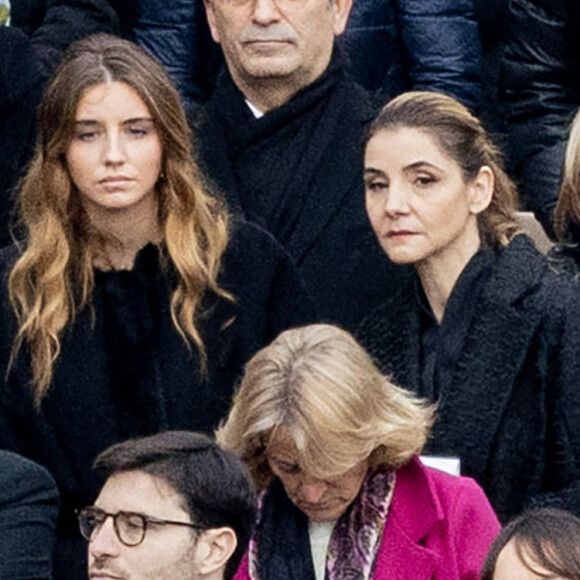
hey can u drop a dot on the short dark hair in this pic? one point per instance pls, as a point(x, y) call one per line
point(216, 487)
point(548, 538)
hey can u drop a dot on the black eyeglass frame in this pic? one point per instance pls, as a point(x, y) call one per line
point(147, 520)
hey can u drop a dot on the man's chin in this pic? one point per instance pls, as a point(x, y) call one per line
point(269, 67)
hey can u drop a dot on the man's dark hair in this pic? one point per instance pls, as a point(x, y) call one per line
point(215, 485)
point(547, 542)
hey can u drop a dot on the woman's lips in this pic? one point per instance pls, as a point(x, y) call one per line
point(115, 179)
point(400, 233)
point(116, 183)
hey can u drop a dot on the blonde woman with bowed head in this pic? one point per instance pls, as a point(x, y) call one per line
point(486, 329)
point(332, 444)
point(131, 300)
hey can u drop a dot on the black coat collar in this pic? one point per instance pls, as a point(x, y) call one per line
point(492, 357)
point(332, 160)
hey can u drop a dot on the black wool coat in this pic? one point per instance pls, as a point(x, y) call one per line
point(511, 409)
point(106, 390)
point(303, 162)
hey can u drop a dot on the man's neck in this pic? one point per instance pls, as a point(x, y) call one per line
point(267, 94)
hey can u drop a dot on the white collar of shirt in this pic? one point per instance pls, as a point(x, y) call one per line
point(255, 111)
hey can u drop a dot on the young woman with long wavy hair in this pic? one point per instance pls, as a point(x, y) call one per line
point(132, 300)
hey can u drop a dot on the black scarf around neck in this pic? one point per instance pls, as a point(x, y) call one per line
point(283, 538)
point(274, 158)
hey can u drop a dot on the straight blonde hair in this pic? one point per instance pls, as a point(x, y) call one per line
point(320, 385)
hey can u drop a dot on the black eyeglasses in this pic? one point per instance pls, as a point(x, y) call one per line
point(130, 527)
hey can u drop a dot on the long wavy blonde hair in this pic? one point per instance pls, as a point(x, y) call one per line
point(321, 386)
point(461, 135)
point(53, 278)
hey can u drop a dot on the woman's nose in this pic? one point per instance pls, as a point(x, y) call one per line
point(313, 490)
point(115, 153)
point(395, 201)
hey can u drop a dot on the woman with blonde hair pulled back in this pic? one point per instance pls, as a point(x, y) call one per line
point(332, 444)
point(486, 328)
point(131, 299)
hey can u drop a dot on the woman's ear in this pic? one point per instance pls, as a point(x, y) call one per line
point(480, 190)
point(214, 548)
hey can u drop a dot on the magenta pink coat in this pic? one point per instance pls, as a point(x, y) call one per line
point(439, 527)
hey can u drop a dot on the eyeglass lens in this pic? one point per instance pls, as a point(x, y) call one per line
point(129, 527)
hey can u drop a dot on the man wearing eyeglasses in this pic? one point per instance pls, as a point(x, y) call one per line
point(174, 507)
point(282, 137)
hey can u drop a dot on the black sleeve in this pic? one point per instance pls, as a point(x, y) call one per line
point(562, 472)
point(265, 282)
point(28, 511)
point(442, 44)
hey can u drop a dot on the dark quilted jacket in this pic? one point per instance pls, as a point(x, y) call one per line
point(541, 86)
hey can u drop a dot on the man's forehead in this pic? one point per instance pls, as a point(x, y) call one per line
point(140, 492)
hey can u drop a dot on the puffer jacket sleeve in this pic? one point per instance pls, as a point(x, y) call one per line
point(441, 42)
point(65, 22)
point(540, 83)
point(176, 33)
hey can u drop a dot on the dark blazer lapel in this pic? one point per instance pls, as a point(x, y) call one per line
point(470, 411)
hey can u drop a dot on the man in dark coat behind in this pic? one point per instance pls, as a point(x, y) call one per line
point(26, 63)
point(282, 137)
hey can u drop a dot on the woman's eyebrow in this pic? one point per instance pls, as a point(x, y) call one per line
point(420, 165)
point(373, 171)
point(138, 120)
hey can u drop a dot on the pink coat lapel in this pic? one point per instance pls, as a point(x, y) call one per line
point(414, 514)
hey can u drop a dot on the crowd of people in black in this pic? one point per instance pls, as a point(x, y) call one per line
point(264, 280)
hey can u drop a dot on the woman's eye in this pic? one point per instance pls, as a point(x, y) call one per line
point(138, 131)
point(376, 186)
point(86, 135)
point(423, 180)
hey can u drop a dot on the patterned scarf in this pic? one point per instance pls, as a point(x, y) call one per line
point(280, 546)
